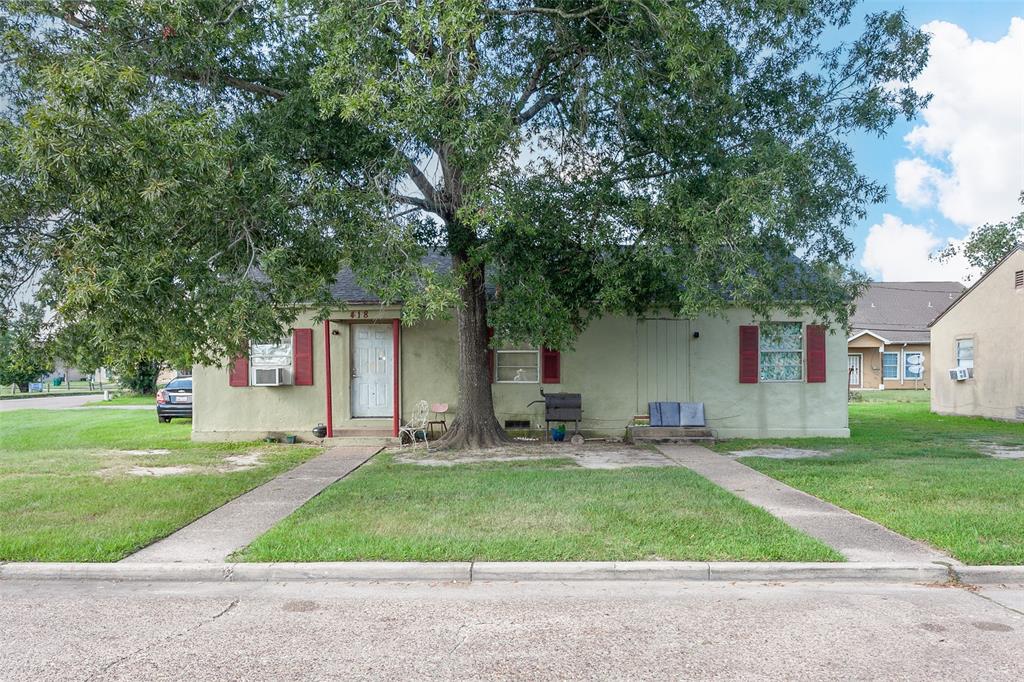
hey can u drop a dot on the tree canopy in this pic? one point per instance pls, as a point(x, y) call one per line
point(987, 244)
point(25, 355)
point(185, 172)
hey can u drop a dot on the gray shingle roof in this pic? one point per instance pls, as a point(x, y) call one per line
point(901, 311)
point(346, 288)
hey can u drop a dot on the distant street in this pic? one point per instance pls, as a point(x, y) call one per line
point(199, 631)
point(63, 402)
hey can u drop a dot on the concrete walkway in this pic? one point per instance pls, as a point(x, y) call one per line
point(855, 537)
point(215, 536)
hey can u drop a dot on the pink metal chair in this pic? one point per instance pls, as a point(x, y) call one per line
point(438, 410)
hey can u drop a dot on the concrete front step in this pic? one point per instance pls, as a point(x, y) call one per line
point(671, 434)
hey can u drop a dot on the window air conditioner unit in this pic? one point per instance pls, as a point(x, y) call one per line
point(960, 373)
point(269, 376)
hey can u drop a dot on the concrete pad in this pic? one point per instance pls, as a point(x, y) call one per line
point(232, 527)
point(856, 538)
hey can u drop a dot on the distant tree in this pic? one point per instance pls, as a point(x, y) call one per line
point(24, 353)
point(140, 377)
point(592, 156)
point(986, 245)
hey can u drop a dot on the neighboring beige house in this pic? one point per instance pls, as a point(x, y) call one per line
point(982, 335)
point(889, 342)
point(361, 373)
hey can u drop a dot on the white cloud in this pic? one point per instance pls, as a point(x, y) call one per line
point(970, 147)
point(917, 182)
point(896, 251)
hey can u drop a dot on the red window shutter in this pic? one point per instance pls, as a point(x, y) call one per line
point(815, 354)
point(238, 371)
point(551, 366)
point(302, 355)
point(490, 354)
point(748, 354)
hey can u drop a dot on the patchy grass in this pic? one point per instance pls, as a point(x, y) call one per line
point(545, 510)
point(66, 495)
point(893, 396)
point(920, 474)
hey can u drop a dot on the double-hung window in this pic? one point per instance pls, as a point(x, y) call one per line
point(782, 351)
point(965, 353)
point(890, 365)
point(517, 365)
point(913, 366)
point(271, 355)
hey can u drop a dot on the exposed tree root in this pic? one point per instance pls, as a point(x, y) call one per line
point(468, 435)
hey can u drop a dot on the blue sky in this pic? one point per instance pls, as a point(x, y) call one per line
point(964, 161)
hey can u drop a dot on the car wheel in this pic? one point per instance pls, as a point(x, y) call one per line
point(165, 420)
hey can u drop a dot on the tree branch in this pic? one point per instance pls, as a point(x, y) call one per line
point(231, 81)
point(536, 108)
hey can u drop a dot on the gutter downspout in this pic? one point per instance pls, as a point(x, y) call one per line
point(396, 330)
point(327, 377)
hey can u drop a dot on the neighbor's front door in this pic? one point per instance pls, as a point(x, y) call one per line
point(855, 362)
point(372, 370)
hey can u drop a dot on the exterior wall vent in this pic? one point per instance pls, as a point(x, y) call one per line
point(1018, 279)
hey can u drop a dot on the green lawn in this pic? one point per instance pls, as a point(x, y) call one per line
point(547, 510)
point(65, 493)
point(126, 399)
point(919, 474)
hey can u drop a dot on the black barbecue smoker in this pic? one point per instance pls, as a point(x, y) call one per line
point(562, 407)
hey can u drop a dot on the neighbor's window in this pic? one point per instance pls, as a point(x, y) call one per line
point(913, 366)
point(965, 353)
point(271, 354)
point(890, 365)
point(782, 351)
point(517, 364)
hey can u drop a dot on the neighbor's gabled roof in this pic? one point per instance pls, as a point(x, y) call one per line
point(1019, 247)
point(869, 333)
point(899, 312)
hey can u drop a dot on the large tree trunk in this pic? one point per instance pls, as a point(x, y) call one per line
point(475, 425)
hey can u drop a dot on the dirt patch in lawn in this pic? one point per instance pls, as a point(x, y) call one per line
point(1001, 451)
point(135, 453)
point(159, 471)
point(228, 465)
point(782, 453)
point(587, 456)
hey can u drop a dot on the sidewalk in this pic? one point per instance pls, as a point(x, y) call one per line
point(214, 537)
point(855, 537)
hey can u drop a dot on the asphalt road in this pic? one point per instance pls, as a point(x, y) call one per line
point(102, 630)
point(63, 402)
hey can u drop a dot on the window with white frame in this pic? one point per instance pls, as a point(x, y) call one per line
point(965, 353)
point(782, 351)
point(271, 355)
point(517, 365)
point(890, 365)
point(913, 366)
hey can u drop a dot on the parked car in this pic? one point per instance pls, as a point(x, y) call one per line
point(174, 399)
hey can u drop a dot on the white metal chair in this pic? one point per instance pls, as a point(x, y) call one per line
point(417, 423)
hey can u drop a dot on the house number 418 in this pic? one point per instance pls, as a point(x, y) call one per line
point(363, 314)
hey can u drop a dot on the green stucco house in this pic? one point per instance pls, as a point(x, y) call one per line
point(361, 373)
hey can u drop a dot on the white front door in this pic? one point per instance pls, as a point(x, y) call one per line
point(855, 361)
point(372, 370)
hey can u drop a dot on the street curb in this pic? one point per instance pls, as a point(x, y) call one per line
point(465, 572)
point(990, 575)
